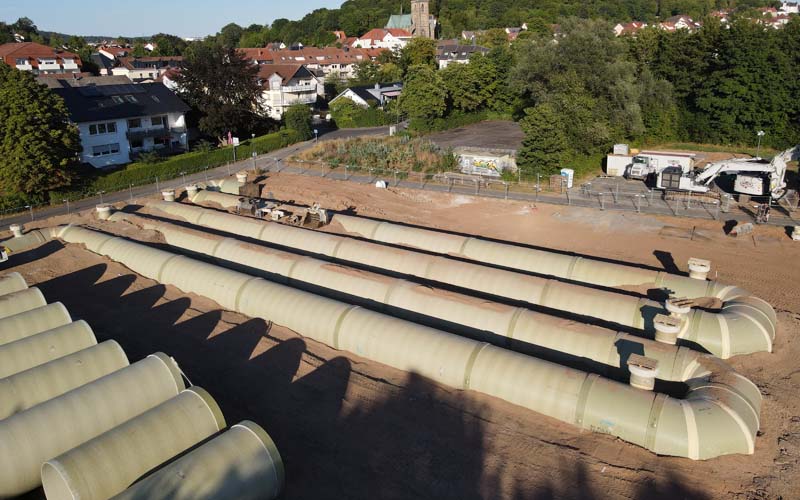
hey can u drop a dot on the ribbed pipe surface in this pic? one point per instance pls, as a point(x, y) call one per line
point(21, 301)
point(720, 414)
point(30, 438)
point(12, 282)
point(242, 463)
point(741, 327)
point(38, 320)
point(41, 383)
point(44, 347)
point(581, 341)
point(107, 464)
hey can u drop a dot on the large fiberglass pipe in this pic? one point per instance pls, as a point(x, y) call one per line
point(31, 322)
point(738, 328)
point(41, 383)
point(12, 282)
point(21, 301)
point(580, 341)
point(107, 464)
point(43, 347)
point(719, 414)
point(241, 463)
point(30, 438)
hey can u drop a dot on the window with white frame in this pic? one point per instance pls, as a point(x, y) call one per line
point(103, 128)
point(158, 121)
point(105, 149)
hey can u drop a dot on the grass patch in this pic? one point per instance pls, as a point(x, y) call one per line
point(713, 148)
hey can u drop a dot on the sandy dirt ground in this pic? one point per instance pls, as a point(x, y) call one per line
point(351, 428)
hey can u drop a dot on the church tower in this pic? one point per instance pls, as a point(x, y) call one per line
point(421, 19)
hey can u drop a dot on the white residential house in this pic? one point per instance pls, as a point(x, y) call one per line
point(790, 8)
point(459, 54)
point(392, 39)
point(117, 118)
point(140, 69)
point(286, 85)
point(371, 95)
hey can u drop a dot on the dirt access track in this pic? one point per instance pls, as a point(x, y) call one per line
point(351, 428)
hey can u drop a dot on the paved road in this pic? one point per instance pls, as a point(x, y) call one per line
point(622, 201)
point(214, 173)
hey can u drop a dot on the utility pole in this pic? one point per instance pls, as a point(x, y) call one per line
point(760, 134)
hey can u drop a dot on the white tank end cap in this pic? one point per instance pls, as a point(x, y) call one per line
point(103, 211)
point(191, 190)
point(679, 306)
point(168, 195)
point(241, 177)
point(699, 268)
point(16, 230)
point(667, 328)
point(643, 371)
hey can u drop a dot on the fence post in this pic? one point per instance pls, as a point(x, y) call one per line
point(67, 202)
point(602, 200)
point(346, 177)
point(638, 199)
point(477, 186)
point(569, 200)
point(716, 209)
point(158, 189)
point(30, 207)
point(395, 178)
point(506, 185)
point(130, 190)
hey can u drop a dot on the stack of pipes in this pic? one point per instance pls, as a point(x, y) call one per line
point(68, 405)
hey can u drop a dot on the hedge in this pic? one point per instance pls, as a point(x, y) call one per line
point(137, 174)
point(347, 114)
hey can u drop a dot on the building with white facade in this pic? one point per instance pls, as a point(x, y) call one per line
point(39, 59)
point(371, 95)
point(286, 85)
point(140, 69)
point(118, 119)
point(392, 39)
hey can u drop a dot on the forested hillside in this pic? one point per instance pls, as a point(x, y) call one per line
point(358, 16)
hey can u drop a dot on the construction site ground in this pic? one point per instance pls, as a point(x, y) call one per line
point(351, 428)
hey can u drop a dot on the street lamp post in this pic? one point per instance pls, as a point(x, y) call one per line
point(316, 135)
point(760, 134)
point(67, 202)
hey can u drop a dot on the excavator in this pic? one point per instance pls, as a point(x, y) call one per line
point(754, 176)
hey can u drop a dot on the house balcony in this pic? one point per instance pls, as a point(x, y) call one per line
point(70, 66)
point(293, 89)
point(47, 66)
point(143, 133)
point(25, 67)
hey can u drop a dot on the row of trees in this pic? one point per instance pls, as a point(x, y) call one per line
point(577, 96)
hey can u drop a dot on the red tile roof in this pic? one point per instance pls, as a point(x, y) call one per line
point(32, 52)
point(285, 71)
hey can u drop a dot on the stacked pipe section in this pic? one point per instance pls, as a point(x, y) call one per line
point(515, 324)
point(736, 329)
point(718, 416)
point(68, 405)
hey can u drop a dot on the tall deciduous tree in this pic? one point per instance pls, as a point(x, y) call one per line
point(418, 52)
point(222, 86)
point(545, 144)
point(423, 96)
point(38, 144)
point(298, 118)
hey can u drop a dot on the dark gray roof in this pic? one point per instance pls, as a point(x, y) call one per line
point(368, 92)
point(102, 61)
point(111, 102)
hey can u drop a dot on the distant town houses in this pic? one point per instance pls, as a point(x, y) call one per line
point(145, 69)
point(512, 33)
point(118, 119)
point(39, 59)
point(329, 60)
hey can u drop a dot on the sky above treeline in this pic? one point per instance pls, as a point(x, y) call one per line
point(186, 18)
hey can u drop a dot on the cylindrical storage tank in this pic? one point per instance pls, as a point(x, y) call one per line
point(103, 211)
point(44, 347)
point(30, 438)
point(99, 468)
point(241, 463)
point(21, 301)
point(12, 282)
point(32, 322)
point(28, 388)
point(27, 241)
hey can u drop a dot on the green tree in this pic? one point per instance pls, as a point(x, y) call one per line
point(418, 52)
point(138, 50)
point(545, 145)
point(298, 118)
point(38, 144)
point(424, 96)
point(230, 34)
point(223, 89)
